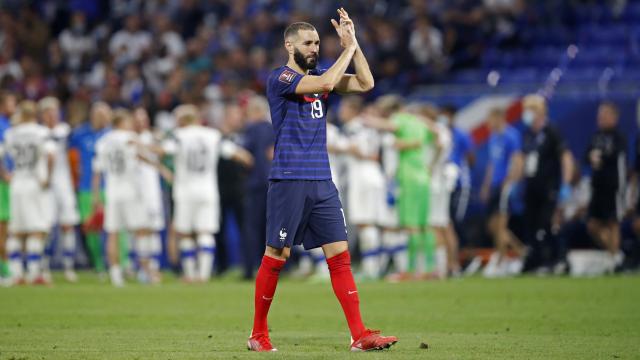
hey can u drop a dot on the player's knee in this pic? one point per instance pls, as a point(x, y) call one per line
point(282, 254)
point(335, 248)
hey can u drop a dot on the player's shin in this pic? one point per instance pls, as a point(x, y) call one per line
point(94, 245)
point(441, 254)
point(206, 251)
point(429, 250)
point(14, 251)
point(68, 249)
point(46, 259)
point(266, 283)
point(414, 244)
point(395, 244)
point(113, 253)
point(35, 249)
point(188, 256)
point(155, 244)
point(370, 250)
point(386, 249)
point(143, 251)
point(345, 289)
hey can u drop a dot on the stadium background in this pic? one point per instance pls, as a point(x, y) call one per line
point(471, 54)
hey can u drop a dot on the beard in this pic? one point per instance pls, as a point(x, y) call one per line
point(305, 63)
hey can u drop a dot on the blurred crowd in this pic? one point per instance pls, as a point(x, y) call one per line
point(160, 53)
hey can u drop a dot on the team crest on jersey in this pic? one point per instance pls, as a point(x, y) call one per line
point(287, 76)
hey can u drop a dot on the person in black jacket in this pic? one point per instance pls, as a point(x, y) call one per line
point(258, 140)
point(547, 169)
point(607, 156)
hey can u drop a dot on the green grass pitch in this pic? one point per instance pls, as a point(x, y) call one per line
point(524, 318)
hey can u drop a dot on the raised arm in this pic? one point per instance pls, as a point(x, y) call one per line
point(311, 84)
point(362, 80)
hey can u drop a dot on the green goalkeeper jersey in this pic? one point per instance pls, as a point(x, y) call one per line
point(412, 162)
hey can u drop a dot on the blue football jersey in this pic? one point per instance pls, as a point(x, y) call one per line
point(299, 125)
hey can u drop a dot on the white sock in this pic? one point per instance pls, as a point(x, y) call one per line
point(132, 255)
point(44, 264)
point(14, 250)
point(206, 251)
point(441, 261)
point(370, 250)
point(395, 244)
point(68, 249)
point(387, 248)
point(155, 246)
point(188, 255)
point(400, 253)
point(491, 269)
point(143, 249)
point(35, 248)
point(305, 265)
point(115, 273)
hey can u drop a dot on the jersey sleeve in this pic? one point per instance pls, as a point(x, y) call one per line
point(73, 140)
point(6, 139)
point(516, 141)
point(170, 146)
point(466, 143)
point(429, 137)
point(398, 124)
point(227, 148)
point(99, 161)
point(283, 82)
point(622, 144)
point(558, 142)
point(49, 146)
point(48, 141)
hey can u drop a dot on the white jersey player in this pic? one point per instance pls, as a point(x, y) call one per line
point(149, 178)
point(117, 159)
point(31, 149)
point(444, 175)
point(61, 197)
point(196, 150)
point(394, 239)
point(366, 194)
point(337, 146)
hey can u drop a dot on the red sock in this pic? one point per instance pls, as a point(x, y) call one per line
point(266, 282)
point(345, 289)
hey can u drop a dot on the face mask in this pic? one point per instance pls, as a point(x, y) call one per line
point(442, 120)
point(528, 117)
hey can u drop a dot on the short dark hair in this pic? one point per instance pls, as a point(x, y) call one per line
point(292, 30)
